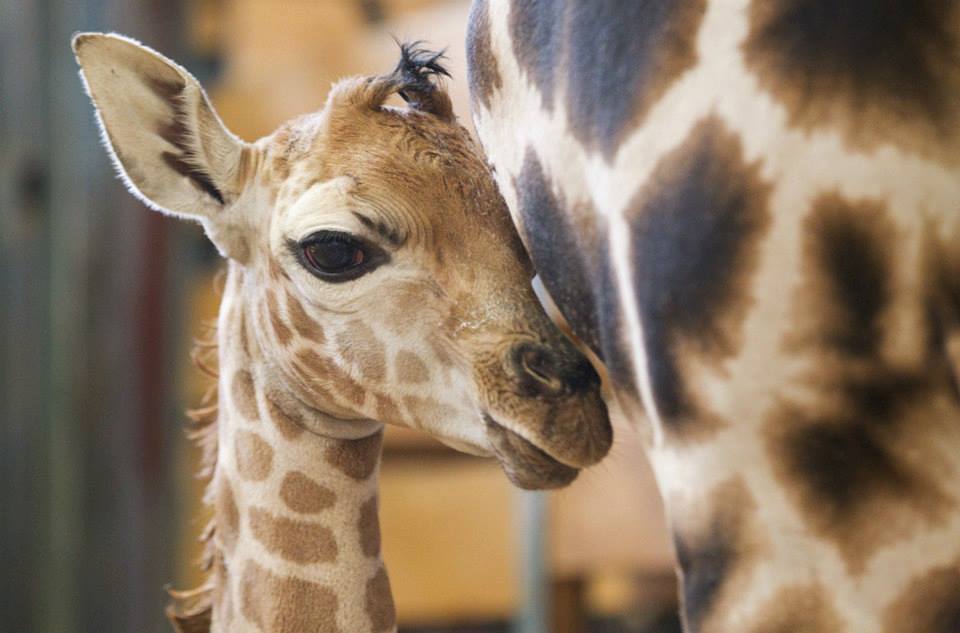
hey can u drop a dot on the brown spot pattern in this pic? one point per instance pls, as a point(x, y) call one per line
point(227, 514)
point(483, 71)
point(380, 606)
point(556, 46)
point(369, 527)
point(359, 346)
point(440, 352)
point(254, 456)
point(244, 395)
point(854, 455)
point(696, 227)
point(799, 609)
point(356, 458)
point(410, 368)
point(929, 604)
point(280, 329)
point(302, 494)
point(242, 327)
point(289, 423)
point(387, 410)
point(820, 61)
point(330, 375)
point(427, 409)
point(717, 547)
point(296, 541)
point(280, 603)
point(302, 323)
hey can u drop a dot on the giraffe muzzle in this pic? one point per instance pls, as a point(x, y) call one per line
point(526, 466)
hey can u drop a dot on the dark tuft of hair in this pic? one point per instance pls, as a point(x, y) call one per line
point(417, 75)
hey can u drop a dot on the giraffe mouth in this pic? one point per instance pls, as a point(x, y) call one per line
point(526, 465)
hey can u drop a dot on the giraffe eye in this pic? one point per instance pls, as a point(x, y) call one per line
point(335, 256)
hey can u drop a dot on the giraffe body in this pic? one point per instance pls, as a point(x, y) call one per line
point(749, 210)
point(374, 276)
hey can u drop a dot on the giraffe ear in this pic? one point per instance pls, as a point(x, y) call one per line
point(167, 142)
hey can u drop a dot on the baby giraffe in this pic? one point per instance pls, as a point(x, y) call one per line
point(373, 276)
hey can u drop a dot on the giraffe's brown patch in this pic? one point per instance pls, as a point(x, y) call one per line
point(244, 395)
point(717, 547)
point(254, 456)
point(283, 603)
point(380, 606)
point(410, 368)
point(799, 609)
point(358, 344)
point(296, 541)
point(606, 98)
point(287, 421)
point(280, 329)
point(483, 71)
point(929, 604)
point(422, 409)
point(276, 271)
point(369, 527)
point(696, 228)
point(303, 323)
point(568, 246)
point(848, 251)
point(387, 410)
point(878, 74)
point(330, 375)
point(303, 494)
point(356, 458)
point(843, 470)
point(242, 330)
point(852, 454)
point(440, 351)
point(227, 514)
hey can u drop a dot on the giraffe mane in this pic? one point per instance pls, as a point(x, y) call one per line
point(190, 610)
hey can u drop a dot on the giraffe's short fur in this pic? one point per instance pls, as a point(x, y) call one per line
point(294, 540)
point(302, 494)
point(374, 276)
point(284, 603)
point(254, 455)
point(799, 609)
point(369, 527)
point(748, 209)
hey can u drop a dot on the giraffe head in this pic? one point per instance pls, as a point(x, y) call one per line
point(386, 281)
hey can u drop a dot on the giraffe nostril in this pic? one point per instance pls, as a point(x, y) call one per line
point(537, 364)
point(538, 370)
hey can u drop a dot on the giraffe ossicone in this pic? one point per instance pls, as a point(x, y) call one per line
point(374, 276)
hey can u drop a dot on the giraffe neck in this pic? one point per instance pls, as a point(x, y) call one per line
point(297, 535)
point(839, 552)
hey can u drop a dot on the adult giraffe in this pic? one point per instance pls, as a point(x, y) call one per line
point(750, 212)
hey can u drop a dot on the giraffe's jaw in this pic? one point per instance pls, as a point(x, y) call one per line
point(526, 465)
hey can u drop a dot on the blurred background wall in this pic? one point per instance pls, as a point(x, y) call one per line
point(100, 300)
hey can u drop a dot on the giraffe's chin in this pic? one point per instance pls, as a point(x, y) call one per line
point(526, 465)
